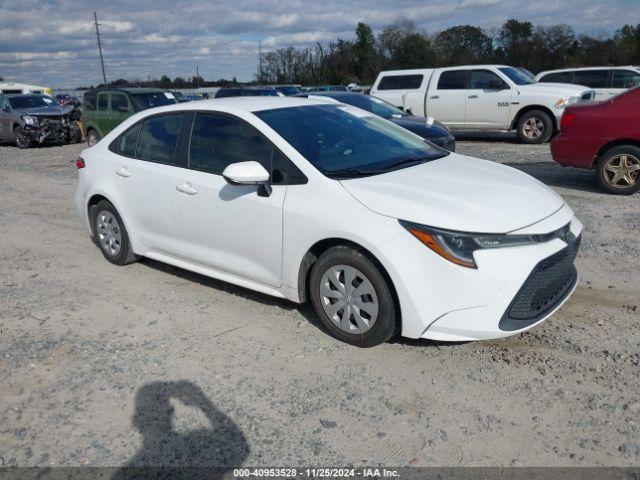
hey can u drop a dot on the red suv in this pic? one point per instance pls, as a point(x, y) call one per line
point(604, 136)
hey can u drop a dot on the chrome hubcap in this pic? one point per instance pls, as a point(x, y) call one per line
point(622, 170)
point(349, 299)
point(109, 233)
point(533, 127)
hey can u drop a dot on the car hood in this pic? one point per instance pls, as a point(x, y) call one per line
point(458, 193)
point(560, 89)
point(53, 110)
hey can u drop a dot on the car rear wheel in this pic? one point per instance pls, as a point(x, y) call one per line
point(22, 139)
point(111, 235)
point(618, 170)
point(534, 127)
point(92, 138)
point(352, 297)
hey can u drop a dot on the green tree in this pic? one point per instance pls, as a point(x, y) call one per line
point(515, 43)
point(364, 53)
point(463, 44)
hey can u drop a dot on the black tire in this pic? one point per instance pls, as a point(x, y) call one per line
point(22, 139)
point(613, 158)
point(124, 254)
point(386, 324)
point(543, 123)
point(92, 137)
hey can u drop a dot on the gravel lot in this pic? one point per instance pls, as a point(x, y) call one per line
point(148, 364)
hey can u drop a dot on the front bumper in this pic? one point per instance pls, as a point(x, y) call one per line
point(445, 302)
point(47, 131)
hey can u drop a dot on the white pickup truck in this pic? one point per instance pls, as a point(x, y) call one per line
point(482, 98)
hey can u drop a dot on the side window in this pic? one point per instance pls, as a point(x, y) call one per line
point(103, 102)
point(158, 138)
point(125, 144)
point(400, 82)
point(591, 78)
point(219, 140)
point(454, 80)
point(119, 102)
point(625, 79)
point(89, 101)
point(485, 80)
point(558, 77)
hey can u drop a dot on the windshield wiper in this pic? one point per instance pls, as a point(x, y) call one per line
point(358, 172)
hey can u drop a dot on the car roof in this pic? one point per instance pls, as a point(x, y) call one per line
point(247, 104)
point(128, 89)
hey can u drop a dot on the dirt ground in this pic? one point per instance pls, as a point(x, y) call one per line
point(151, 365)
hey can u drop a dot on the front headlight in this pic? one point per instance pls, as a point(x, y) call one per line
point(29, 120)
point(565, 101)
point(458, 247)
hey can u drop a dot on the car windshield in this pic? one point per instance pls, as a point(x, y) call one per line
point(528, 74)
point(142, 101)
point(31, 101)
point(516, 76)
point(373, 105)
point(345, 142)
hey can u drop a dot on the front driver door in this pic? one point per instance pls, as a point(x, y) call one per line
point(230, 228)
point(488, 101)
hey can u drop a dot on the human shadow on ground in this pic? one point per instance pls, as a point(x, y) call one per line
point(205, 453)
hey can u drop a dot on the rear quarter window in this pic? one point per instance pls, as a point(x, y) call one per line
point(126, 143)
point(401, 82)
point(558, 77)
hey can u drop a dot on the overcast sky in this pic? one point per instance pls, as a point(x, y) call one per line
point(53, 42)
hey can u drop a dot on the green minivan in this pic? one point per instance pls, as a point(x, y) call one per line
point(103, 109)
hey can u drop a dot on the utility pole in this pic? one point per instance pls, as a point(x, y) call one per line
point(95, 21)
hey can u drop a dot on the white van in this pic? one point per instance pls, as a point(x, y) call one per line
point(482, 98)
point(606, 81)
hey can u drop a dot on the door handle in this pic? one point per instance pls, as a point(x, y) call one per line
point(123, 172)
point(434, 96)
point(472, 96)
point(186, 188)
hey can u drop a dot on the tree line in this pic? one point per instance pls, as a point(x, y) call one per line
point(404, 45)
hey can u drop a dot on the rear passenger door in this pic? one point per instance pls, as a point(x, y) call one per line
point(120, 109)
point(146, 170)
point(230, 228)
point(446, 101)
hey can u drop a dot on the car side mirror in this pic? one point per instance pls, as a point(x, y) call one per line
point(497, 85)
point(249, 173)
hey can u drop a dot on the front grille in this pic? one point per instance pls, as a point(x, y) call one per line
point(547, 285)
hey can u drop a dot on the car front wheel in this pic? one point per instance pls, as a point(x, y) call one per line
point(618, 170)
point(535, 126)
point(352, 297)
point(92, 138)
point(22, 138)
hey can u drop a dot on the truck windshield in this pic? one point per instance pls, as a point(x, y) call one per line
point(345, 142)
point(516, 76)
point(142, 101)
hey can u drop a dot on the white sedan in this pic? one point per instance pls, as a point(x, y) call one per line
point(303, 199)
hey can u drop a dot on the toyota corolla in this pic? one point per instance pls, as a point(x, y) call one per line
point(308, 200)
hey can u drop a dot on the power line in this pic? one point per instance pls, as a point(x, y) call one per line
point(95, 20)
